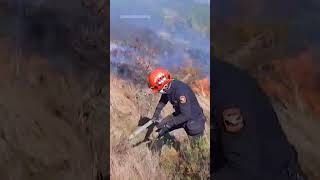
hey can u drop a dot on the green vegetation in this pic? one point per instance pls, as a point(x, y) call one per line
point(190, 162)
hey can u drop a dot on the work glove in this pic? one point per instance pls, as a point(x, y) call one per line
point(167, 120)
point(163, 130)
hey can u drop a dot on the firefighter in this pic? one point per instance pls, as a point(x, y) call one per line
point(188, 113)
point(248, 141)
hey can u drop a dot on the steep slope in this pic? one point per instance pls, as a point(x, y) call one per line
point(128, 104)
point(53, 96)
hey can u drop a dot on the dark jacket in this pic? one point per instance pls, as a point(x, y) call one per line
point(252, 145)
point(188, 113)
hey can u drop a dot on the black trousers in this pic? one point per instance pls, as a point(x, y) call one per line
point(193, 127)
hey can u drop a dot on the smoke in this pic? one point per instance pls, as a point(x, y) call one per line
point(160, 26)
point(202, 1)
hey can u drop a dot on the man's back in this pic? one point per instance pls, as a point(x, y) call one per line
point(258, 149)
point(179, 88)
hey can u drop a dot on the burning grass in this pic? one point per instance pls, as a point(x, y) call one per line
point(130, 101)
point(288, 77)
point(292, 85)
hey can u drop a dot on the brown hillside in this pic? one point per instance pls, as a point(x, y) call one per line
point(46, 130)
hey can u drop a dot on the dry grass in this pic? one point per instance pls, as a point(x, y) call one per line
point(41, 130)
point(302, 128)
point(134, 163)
point(125, 109)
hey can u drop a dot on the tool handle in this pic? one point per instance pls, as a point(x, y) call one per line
point(141, 128)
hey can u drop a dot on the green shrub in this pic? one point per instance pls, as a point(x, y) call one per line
point(192, 161)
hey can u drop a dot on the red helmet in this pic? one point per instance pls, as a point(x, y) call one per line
point(158, 78)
